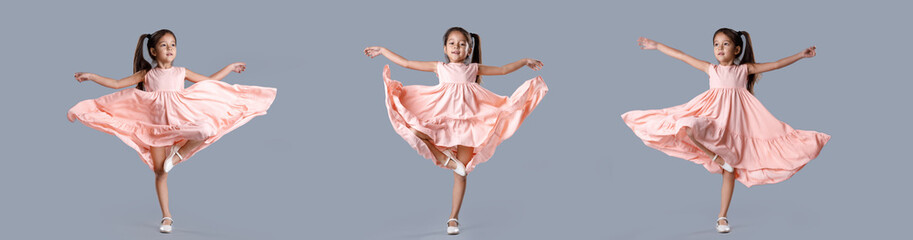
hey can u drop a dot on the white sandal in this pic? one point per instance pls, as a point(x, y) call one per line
point(454, 230)
point(722, 228)
point(725, 165)
point(169, 163)
point(166, 228)
point(460, 169)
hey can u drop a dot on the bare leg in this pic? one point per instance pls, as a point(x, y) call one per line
point(439, 157)
point(719, 160)
point(161, 179)
point(726, 195)
point(728, 181)
point(464, 155)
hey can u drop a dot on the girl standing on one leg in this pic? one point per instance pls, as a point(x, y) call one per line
point(726, 128)
point(457, 123)
point(160, 119)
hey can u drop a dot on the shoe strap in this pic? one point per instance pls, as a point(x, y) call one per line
point(722, 218)
point(169, 219)
point(714, 157)
point(448, 161)
point(177, 152)
point(450, 157)
point(453, 220)
point(448, 153)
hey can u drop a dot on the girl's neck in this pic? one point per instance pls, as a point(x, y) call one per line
point(163, 65)
point(729, 63)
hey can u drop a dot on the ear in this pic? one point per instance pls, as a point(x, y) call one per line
point(152, 52)
point(738, 50)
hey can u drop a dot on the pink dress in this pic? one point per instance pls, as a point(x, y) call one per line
point(731, 122)
point(458, 111)
point(167, 114)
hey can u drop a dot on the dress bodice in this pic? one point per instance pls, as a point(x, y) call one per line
point(162, 79)
point(457, 72)
point(732, 76)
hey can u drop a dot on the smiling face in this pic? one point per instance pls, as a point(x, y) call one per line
point(456, 47)
point(724, 49)
point(164, 50)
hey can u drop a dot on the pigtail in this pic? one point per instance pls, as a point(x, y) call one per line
point(476, 54)
point(140, 63)
point(748, 57)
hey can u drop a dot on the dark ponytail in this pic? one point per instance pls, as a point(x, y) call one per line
point(476, 56)
point(748, 57)
point(747, 52)
point(139, 62)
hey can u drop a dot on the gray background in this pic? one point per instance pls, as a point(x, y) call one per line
point(325, 163)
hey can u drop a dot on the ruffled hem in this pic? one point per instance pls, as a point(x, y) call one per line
point(756, 160)
point(483, 132)
point(106, 114)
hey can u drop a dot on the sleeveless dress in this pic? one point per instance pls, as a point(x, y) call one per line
point(458, 111)
point(729, 121)
point(167, 114)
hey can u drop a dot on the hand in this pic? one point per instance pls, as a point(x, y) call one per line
point(534, 64)
point(84, 76)
point(373, 51)
point(808, 52)
point(646, 43)
point(237, 67)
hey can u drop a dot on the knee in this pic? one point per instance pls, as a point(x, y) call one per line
point(207, 131)
point(459, 179)
point(420, 135)
point(159, 171)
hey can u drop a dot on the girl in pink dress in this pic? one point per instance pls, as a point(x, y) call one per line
point(726, 129)
point(164, 122)
point(457, 123)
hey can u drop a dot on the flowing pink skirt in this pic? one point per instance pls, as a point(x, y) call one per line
point(204, 111)
point(732, 123)
point(454, 114)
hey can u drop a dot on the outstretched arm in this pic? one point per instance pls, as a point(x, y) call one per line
point(237, 67)
point(137, 77)
point(399, 60)
point(770, 66)
point(510, 67)
point(648, 44)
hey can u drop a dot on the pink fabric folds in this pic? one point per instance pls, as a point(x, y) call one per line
point(459, 111)
point(731, 122)
point(167, 114)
